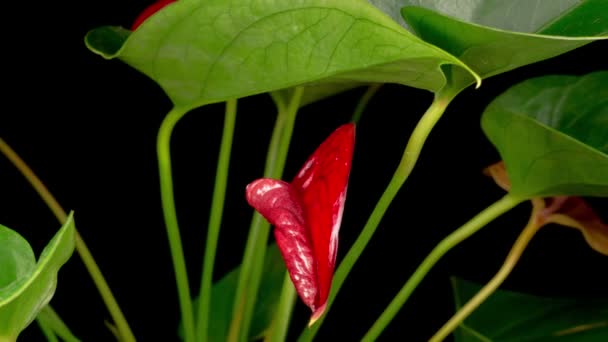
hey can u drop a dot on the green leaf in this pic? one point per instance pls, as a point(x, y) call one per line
point(204, 51)
point(516, 317)
point(268, 298)
point(551, 133)
point(26, 287)
point(515, 15)
point(495, 36)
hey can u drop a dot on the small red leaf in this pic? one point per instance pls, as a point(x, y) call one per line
point(574, 212)
point(569, 211)
point(307, 215)
point(155, 7)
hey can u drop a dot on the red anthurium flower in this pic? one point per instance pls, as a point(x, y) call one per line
point(307, 214)
point(569, 211)
point(155, 7)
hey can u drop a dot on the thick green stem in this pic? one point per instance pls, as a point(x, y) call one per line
point(534, 224)
point(405, 167)
point(87, 258)
point(163, 148)
point(255, 249)
point(472, 226)
point(215, 221)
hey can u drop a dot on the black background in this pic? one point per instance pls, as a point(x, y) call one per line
point(88, 126)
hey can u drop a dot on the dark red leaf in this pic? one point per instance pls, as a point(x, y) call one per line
point(574, 212)
point(307, 214)
point(155, 7)
point(569, 211)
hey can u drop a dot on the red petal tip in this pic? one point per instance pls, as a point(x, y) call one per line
point(316, 315)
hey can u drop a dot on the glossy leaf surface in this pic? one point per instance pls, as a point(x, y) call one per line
point(266, 302)
point(552, 134)
point(26, 286)
point(495, 36)
point(516, 317)
point(204, 51)
point(307, 214)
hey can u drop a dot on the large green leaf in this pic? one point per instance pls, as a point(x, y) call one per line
point(267, 300)
point(495, 36)
point(26, 287)
point(203, 51)
point(552, 133)
point(516, 317)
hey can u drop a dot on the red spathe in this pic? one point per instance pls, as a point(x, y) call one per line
point(307, 214)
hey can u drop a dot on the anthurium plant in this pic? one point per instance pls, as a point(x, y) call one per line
point(548, 133)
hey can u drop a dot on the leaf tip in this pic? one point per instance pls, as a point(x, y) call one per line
point(106, 41)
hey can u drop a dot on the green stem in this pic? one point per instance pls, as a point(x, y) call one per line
point(405, 167)
point(367, 96)
point(47, 331)
point(51, 320)
point(534, 224)
point(472, 226)
point(282, 317)
point(87, 258)
point(255, 249)
point(163, 148)
point(215, 220)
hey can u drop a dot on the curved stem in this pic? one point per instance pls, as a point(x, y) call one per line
point(163, 148)
point(514, 255)
point(215, 220)
point(34, 181)
point(367, 96)
point(472, 226)
point(87, 258)
point(255, 249)
point(405, 167)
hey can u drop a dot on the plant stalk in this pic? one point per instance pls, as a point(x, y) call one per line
point(282, 317)
point(255, 249)
point(471, 227)
point(215, 221)
point(404, 169)
point(47, 331)
point(364, 101)
point(513, 257)
point(163, 148)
